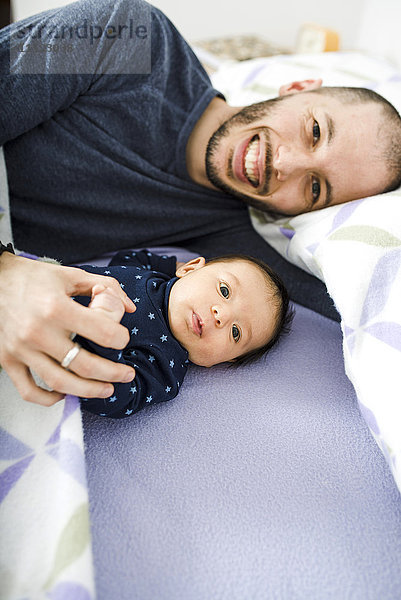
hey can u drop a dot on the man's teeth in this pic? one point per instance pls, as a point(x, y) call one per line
point(251, 156)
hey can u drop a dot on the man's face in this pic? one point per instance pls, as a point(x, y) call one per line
point(300, 153)
point(221, 311)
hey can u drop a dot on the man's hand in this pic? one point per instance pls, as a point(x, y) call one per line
point(37, 318)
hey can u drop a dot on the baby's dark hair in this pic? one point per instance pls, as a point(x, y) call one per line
point(285, 312)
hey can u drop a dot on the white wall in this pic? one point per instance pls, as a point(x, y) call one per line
point(277, 20)
point(379, 33)
point(25, 8)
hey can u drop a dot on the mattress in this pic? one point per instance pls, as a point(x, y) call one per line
point(261, 482)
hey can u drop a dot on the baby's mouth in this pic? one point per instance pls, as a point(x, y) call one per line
point(197, 324)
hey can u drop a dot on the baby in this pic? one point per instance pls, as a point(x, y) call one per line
point(230, 309)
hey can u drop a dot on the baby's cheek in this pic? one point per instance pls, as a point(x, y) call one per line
point(201, 358)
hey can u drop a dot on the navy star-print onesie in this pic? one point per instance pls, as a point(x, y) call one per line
point(158, 358)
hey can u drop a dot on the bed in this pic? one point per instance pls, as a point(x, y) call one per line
point(277, 480)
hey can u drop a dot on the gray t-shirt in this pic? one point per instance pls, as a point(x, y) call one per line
point(98, 100)
point(101, 162)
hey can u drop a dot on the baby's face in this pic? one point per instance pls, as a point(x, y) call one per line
point(221, 310)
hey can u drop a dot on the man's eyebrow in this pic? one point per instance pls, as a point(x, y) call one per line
point(331, 130)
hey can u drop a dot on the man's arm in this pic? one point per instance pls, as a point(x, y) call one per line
point(37, 317)
point(303, 288)
point(42, 72)
point(48, 60)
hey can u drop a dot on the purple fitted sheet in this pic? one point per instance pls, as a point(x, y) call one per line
point(261, 482)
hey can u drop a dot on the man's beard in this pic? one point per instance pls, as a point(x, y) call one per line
point(246, 116)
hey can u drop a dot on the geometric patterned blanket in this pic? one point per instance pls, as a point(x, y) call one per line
point(45, 549)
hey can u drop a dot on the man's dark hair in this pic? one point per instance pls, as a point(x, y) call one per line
point(391, 142)
point(285, 311)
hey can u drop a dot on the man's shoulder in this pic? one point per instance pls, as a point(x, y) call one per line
point(100, 12)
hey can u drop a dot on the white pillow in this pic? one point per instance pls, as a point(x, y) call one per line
point(254, 80)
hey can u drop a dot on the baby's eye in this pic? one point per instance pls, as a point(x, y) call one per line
point(236, 333)
point(315, 132)
point(225, 292)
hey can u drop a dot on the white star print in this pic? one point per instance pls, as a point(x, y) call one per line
point(163, 338)
point(149, 398)
point(171, 363)
point(168, 389)
point(133, 390)
point(107, 272)
point(138, 276)
point(154, 284)
point(122, 285)
point(113, 399)
point(136, 300)
point(133, 353)
point(120, 355)
point(135, 330)
point(129, 411)
point(151, 316)
point(151, 358)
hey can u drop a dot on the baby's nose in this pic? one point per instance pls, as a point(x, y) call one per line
point(219, 315)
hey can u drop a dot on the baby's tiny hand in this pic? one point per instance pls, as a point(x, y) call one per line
point(106, 300)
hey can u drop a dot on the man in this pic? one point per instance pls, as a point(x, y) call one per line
point(299, 152)
point(118, 140)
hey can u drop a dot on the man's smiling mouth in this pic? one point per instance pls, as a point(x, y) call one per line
point(250, 166)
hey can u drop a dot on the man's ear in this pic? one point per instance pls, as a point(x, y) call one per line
point(192, 265)
point(299, 86)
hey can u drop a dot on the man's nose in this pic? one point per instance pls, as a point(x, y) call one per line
point(289, 160)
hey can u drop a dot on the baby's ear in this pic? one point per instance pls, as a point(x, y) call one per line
point(192, 265)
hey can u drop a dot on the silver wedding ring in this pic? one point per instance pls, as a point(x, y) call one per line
point(71, 354)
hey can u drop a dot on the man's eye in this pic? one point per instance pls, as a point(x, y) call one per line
point(315, 190)
point(225, 292)
point(315, 132)
point(236, 334)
